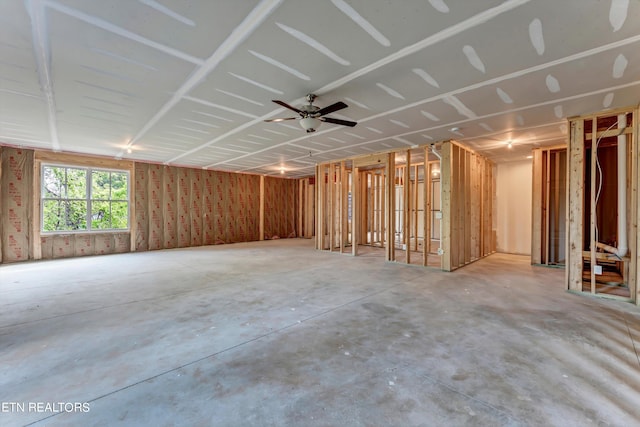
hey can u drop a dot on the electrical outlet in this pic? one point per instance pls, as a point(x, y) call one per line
point(597, 269)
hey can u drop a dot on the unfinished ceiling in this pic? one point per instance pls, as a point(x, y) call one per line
point(190, 83)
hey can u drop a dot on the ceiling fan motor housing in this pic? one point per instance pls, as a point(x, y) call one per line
point(312, 116)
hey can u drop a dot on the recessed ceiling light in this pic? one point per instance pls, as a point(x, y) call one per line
point(454, 129)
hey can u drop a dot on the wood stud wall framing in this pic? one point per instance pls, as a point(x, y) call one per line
point(467, 206)
point(549, 206)
point(306, 207)
point(391, 205)
point(587, 175)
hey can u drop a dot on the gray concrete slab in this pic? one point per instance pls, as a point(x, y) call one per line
point(275, 333)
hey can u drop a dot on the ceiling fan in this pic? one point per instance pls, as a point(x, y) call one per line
point(312, 116)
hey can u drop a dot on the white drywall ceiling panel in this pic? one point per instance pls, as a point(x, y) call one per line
point(14, 125)
point(90, 77)
point(193, 27)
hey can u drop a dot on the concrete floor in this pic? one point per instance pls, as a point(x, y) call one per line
point(275, 333)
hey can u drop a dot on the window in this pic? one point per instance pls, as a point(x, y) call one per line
point(84, 199)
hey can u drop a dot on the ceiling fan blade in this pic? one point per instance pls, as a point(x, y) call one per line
point(282, 119)
point(338, 121)
point(285, 105)
point(331, 108)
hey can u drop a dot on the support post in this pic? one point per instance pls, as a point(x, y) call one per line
point(593, 239)
point(575, 184)
point(331, 206)
point(426, 205)
point(261, 226)
point(445, 204)
point(355, 210)
point(344, 189)
point(415, 207)
point(390, 252)
point(406, 226)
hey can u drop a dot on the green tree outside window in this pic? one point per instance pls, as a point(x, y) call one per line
point(84, 199)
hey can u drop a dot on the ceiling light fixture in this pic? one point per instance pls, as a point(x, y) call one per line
point(509, 144)
point(129, 150)
point(310, 124)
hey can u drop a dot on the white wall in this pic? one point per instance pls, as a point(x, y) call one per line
point(513, 199)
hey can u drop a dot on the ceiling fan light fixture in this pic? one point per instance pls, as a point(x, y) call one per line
point(310, 124)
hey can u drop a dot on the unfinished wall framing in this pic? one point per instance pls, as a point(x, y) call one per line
point(306, 207)
point(602, 217)
point(468, 190)
point(333, 182)
point(549, 206)
point(409, 203)
point(169, 207)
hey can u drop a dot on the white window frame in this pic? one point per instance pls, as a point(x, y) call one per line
point(88, 199)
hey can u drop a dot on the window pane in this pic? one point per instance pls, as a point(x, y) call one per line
point(53, 180)
point(52, 215)
point(100, 185)
point(76, 214)
point(65, 199)
point(64, 215)
point(100, 215)
point(119, 214)
point(76, 183)
point(119, 186)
